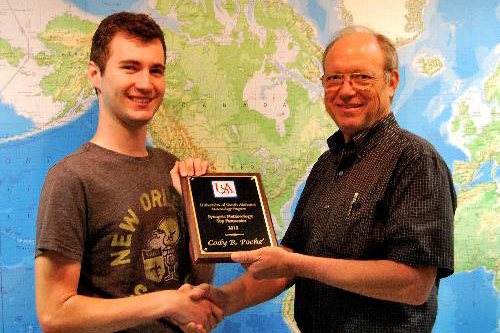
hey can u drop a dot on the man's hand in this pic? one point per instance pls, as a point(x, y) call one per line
point(266, 263)
point(204, 291)
point(191, 167)
point(192, 328)
point(195, 315)
point(210, 292)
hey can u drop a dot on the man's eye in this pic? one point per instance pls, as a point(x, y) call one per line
point(359, 76)
point(335, 77)
point(157, 71)
point(129, 68)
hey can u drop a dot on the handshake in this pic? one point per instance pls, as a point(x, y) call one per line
point(202, 307)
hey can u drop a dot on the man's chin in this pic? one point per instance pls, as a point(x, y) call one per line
point(350, 129)
point(136, 123)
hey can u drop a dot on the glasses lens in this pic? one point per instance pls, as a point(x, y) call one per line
point(357, 80)
point(361, 81)
point(332, 81)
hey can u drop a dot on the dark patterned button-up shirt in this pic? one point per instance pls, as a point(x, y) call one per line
point(386, 194)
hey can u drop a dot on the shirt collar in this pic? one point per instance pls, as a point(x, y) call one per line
point(367, 139)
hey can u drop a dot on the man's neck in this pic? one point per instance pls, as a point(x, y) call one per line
point(123, 140)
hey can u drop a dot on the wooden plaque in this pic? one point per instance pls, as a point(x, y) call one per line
point(226, 213)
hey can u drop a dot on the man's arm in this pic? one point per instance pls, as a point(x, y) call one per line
point(61, 309)
point(270, 271)
point(382, 279)
point(244, 292)
point(247, 291)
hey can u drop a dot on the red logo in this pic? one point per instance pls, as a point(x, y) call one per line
point(224, 188)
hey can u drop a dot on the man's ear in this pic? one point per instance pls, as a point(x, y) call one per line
point(94, 75)
point(393, 83)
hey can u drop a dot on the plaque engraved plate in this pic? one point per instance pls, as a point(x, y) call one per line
point(226, 213)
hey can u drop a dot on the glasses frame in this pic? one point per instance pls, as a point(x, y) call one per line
point(370, 80)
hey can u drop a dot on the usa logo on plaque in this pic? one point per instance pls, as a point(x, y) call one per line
point(224, 189)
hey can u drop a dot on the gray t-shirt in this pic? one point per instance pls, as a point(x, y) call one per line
point(121, 218)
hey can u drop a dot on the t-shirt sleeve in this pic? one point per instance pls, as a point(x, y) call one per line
point(61, 220)
point(421, 210)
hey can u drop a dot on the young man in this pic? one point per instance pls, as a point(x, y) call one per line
point(372, 233)
point(110, 222)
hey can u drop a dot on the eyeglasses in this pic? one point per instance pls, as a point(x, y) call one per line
point(359, 81)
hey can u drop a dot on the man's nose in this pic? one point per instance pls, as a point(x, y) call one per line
point(143, 81)
point(346, 90)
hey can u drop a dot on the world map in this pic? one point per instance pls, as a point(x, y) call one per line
point(244, 91)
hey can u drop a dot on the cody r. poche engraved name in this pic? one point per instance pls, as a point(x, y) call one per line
point(243, 241)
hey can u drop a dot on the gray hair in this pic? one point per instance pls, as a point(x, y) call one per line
point(391, 61)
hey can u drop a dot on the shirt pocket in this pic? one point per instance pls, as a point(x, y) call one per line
point(366, 229)
point(361, 233)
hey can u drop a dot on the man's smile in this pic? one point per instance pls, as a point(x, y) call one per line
point(349, 106)
point(141, 100)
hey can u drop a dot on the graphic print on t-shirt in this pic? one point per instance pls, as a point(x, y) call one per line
point(160, 260)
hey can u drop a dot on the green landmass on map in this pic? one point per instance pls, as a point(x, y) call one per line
point(430, 65)
point(414, 15)
point(492, 89)
point(205, 113)
point(13, 55)
point(477, 229)
point(288, 309)
point(476, 218)
point(68, 40)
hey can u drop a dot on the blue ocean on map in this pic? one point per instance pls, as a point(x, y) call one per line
point(485, 174)
point(24, 166)
point(468, 303)
point(102, 8)
point(470, 34)
point(410, 116)
point(318, 13)
point(13, 124)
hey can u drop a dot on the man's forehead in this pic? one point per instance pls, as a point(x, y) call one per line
point(123, 44)
point(356, 48)
point(122, 38)
point(355, 43)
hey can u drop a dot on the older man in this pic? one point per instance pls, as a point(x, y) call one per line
point(372, 233)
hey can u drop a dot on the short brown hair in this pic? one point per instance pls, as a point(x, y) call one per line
point(137, 25)
point(391, 61)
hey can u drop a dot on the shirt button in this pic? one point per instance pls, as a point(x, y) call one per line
point(326, 207)
point(341, 173)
